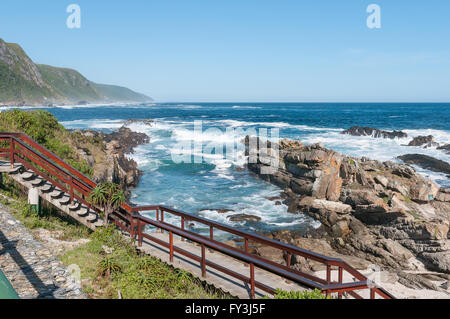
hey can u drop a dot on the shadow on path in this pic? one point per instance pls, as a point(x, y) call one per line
point(10, 247)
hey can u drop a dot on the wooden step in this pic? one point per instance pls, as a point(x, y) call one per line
point(92, 218)
point(75, 206)
point(56, 194)
point(46, 188)
point(82, 212)
point(37, 181)
point(65, 200)
point(18, 168)
point(26, 176)
point(99, 223)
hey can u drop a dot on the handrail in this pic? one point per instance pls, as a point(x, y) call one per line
point(131, 217)
point(241, 233)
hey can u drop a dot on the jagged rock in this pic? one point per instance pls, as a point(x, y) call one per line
point(110, 162)
point(443, 195)
point(397, 187)
point(424, 141)
point(125, 140)
point(337, 207)
point(424, 191)
point(382, 180)
point(386, 212)
point(438, 261)
point(340, 229)
point(373, 132)
point(404, 171)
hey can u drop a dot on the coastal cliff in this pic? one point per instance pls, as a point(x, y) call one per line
point(22, 82)
point(385, 213)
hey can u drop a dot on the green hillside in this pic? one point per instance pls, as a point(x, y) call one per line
point(68, 83)
point(119, 93)
point(23, 82)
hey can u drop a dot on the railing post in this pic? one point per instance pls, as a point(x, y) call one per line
point(140, 226)
point(372, 293)
point(340, 280)
point(288, 259)
point(171, 246)
point(246, 249)
point(203, 261)
point(182, 226)
point(157, 219)
point(328, 273)
point(252, 281)
point(211, 232)
point(11, 151)
point(71, 188)
point(132, 235)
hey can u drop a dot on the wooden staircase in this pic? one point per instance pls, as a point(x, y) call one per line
point(53, 195)
point(33, 166)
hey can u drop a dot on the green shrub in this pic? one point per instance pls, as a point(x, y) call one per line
point(315, 294)
point(108, 266)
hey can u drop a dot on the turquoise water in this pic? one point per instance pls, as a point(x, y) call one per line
point(218, 183)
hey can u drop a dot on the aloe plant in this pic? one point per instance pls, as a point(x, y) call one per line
point(107, 195)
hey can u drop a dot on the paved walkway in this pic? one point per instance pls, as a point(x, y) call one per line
point(30, 267)
point(218, 279)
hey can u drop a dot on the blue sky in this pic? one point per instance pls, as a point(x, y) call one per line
point(245, 50)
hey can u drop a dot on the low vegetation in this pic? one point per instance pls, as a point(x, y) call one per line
point(315, 294)
point(107, 195)
point(44, 128)
point(111, 266)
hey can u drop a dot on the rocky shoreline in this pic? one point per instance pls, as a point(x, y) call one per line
point(381, 213)
point(113, 164)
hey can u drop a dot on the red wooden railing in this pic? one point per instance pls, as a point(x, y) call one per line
point(24, 150)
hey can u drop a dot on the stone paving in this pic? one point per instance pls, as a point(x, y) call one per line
point(32, 269)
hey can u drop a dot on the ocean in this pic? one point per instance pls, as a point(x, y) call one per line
point(218, 183)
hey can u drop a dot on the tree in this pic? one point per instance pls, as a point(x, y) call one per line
point(107, 195)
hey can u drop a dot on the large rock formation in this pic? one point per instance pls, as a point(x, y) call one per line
point(373, 132)
point(111, 163)
point(385, 213)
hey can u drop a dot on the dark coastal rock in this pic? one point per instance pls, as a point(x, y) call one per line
point(373, 132)
point(244, 217)
point(148, 122)
point(426, 162)
point(424, 141)
point(445, 148)
point(125, 140)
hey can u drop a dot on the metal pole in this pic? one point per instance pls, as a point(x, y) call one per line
point(171, 246)
point(252, 280)
point(340, 281)
point(203, 261)
point(11, 150)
